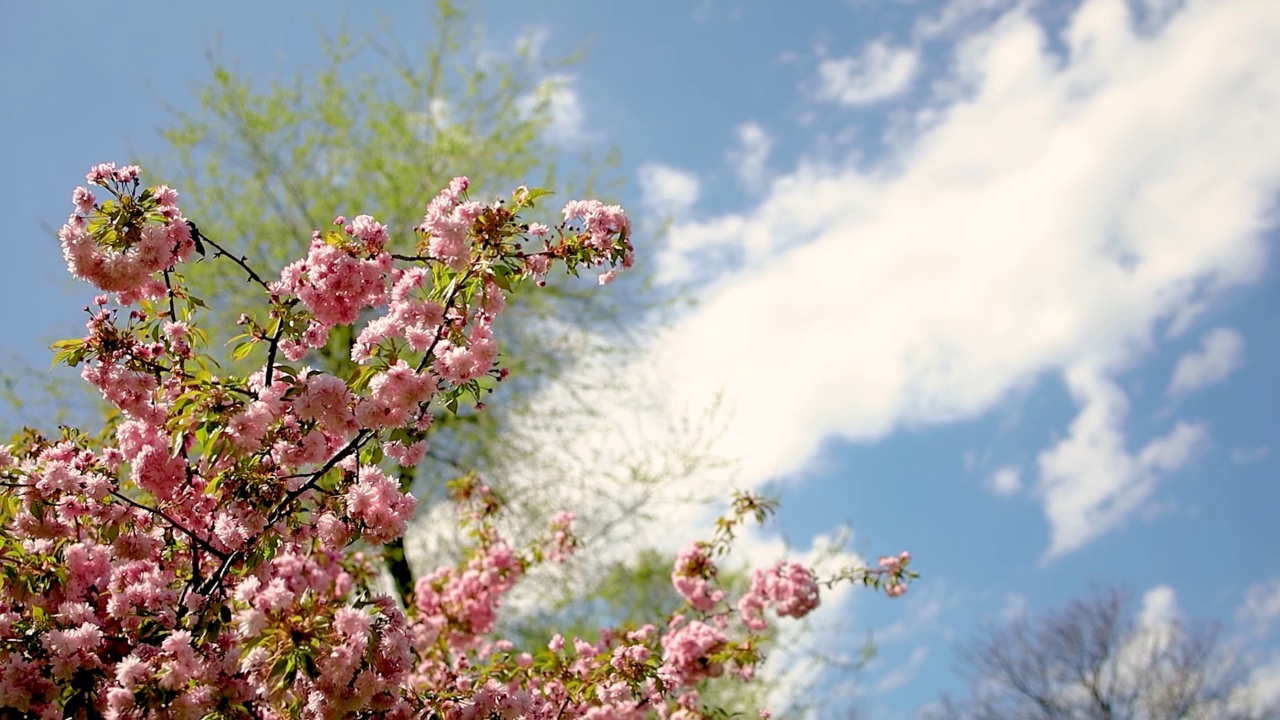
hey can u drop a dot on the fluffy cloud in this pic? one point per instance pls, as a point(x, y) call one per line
point(1089, 482)
point(904, 673)
point(1261, 607)
point(667, 190)
point(957, 14)
point(751, 154)
point(1158, 624)
point(1005, 481)
point(1221, 353)
point(879, 73)
point(1241, 456)
point(1045, 221)
point(567, 117)
point(1015, 607)
point(1265, 681)
point(1159, 608)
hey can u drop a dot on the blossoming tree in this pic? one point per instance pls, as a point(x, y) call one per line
point(211, 552)
point(379, 127)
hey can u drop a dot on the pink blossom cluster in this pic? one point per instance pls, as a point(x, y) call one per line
point(147, 236)
point(375, 501)
point(462, 361)
point(215, 549)
point(894, 567)
point(395, 394)
point(335, 284)
point(406, 455)
point(693, 574)
point(417, 320)
point(600, 222)
point(562, 540)
point(366, 655)
point(687, 653)
point(448, 223)
point(461, 604)
point(370, 236)
point(789, 587)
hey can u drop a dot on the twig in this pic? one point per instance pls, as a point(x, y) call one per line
point(173, 311)
point(215, 580)
point(203, 545)
point(271, 352)
point(221, 251)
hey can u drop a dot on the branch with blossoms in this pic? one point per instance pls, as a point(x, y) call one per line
point(212, 551)
point(891, 575)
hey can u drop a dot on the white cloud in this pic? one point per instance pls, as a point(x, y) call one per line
point(1261, 607)
point(1051, 219)
point(879, 73)
point(1159, 608)
point(921, 615)
point(667, 190)
point(1158, 624)
point(904, 673)
point(1005, 481)
point(1242, 456)
point(956, 14)
point(441, 112)
point(1221, 353)
point(567, 118)
point(751, 155)
point(1089, 482)
point(1264, 682)
point(1015, 607)
point(532, 41)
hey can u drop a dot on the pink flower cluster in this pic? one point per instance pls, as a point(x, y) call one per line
point(149, 236)
point(394, 396)
point(448, 223)
point(335, 284)
point(376, 503)
point(790, 588)
point(600, 222)
point(460, 605)
point(894, 567)
point(460, 362)
point(693, 574)
point(687, 653)
point(562, 540)
point(418, 321)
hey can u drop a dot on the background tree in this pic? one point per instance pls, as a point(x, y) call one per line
point(1092, 660)
point(268, 164)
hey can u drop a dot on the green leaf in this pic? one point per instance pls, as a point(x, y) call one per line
point(242, 351)
point(501, 279)
point(279, 670)
point(70, 343)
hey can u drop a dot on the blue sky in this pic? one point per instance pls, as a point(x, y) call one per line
point(991, 281)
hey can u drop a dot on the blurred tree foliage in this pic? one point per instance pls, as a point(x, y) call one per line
point(380, 130)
